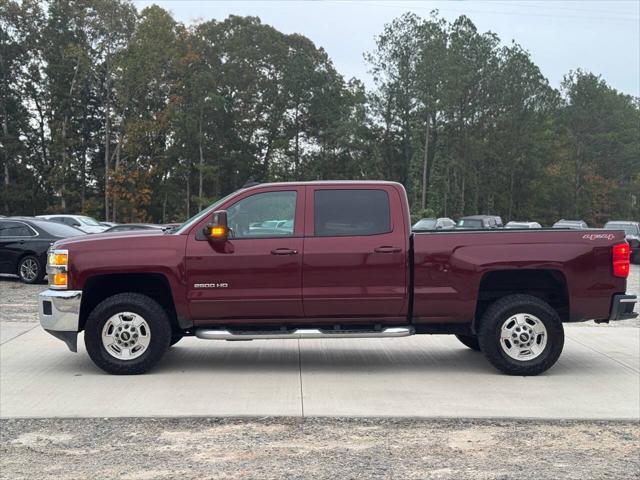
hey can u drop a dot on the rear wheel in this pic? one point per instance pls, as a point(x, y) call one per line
point(127, 334)
point(521, 335)
point(30, 270)
point(470, 341)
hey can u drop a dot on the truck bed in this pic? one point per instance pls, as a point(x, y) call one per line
point(455, 271)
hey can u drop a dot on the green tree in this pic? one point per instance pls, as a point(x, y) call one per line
point(602, 130)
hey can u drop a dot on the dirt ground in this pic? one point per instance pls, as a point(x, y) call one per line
point(317, 448)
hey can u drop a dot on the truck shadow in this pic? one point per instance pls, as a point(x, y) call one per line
point(187, 360)
point(270, 358)
point(337, 361)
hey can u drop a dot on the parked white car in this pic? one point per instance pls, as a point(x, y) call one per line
point(86, 224)
point(523, 225)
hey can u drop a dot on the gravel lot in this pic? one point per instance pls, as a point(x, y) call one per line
point(317, 448)
point(18, 301)
point(134, 448)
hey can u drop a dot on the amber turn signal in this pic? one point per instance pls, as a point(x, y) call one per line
point(59, 279)
point(218, 232)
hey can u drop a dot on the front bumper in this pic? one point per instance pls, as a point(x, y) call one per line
point(60, 315)
point(622, 307)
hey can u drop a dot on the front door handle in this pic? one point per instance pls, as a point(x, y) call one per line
point(284, 251)
point(387, 249)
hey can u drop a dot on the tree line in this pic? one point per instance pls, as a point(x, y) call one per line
point(133, 116)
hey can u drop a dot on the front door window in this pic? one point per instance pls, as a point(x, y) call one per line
point(270, 214)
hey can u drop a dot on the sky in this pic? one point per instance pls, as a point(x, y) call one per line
point(599, 36)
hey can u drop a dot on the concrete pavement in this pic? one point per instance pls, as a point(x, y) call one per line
point(597, 377)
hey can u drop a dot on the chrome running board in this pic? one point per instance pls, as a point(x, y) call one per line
point(215, 334)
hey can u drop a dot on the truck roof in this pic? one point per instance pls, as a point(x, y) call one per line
point(325, 182)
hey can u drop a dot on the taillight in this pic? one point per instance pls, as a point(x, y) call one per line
point(621, 253)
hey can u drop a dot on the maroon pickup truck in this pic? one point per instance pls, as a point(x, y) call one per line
point(330, 260)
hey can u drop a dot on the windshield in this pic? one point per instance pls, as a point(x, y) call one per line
point(90, 221)
point(628, 229)
point(59, 229)
point(425, 224)
point(189, 223)
point(470, 223)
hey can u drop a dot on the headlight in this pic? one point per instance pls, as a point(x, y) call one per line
point(59, 258)
point(57, 264)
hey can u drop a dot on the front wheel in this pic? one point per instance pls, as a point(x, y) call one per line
point(521, 335)
point(127, 334)
point(30, 270)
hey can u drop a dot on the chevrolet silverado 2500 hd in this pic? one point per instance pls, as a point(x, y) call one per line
point(330, 260)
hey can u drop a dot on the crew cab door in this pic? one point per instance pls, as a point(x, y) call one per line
point(256, 273)
point(355, 253)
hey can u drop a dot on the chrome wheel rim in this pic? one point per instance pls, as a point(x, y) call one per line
point(523, 337)
point(29, 269)
point(126, 335)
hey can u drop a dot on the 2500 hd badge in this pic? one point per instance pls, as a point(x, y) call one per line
point(210, 285)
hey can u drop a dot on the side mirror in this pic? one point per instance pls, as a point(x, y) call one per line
point(217, 230)
point(438, 227)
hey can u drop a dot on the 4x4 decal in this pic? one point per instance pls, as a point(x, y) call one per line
point(597, 236)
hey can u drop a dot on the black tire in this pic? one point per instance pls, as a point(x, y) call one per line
point(156, 318)
point(470, 341)
point(636, 258)
point(491, 325)
point(34, 262)
point(175, 338)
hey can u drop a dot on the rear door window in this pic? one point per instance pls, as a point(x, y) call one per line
point(351, 212)
point(15, 229)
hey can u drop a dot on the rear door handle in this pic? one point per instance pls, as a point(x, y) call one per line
point(387, 249)
point(284, 251)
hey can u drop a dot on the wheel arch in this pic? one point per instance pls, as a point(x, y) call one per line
point(154, 285)
point(549, 285)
